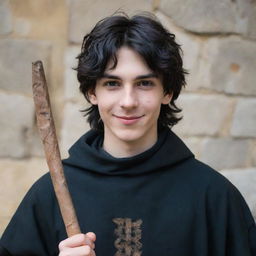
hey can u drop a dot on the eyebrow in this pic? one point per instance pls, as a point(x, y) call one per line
point(146, 76)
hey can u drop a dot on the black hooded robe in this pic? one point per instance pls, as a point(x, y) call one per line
point(162, 202)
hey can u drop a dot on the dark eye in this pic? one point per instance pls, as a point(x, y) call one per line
point(111, 83)
point(145, 83)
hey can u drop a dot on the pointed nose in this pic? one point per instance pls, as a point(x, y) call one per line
point(129, 98)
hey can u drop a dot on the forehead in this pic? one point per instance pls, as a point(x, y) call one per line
point(128, 61)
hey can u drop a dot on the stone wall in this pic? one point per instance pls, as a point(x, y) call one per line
point(219, 103)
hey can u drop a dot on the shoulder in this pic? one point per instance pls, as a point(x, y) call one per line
point(43, 184)
point(211, 184)
point(41, 192)
point(220, 193)
point(207, 175)
point(36, 219)
point(202, 175)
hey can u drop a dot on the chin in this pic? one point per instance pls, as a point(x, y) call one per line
point(130, 136)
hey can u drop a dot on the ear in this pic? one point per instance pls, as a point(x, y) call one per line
point(167, 98)
point(92, 97)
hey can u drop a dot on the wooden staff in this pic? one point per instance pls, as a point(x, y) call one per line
point(48, 136)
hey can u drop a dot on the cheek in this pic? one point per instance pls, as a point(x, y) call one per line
point(153, 103)
point(104, 105)
point(102, 112)
point(152, 107)
point(101, 107)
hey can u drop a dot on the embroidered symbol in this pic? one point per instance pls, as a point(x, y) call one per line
point(128, 234)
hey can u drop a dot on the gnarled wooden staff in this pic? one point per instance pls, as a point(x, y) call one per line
point(48, 136)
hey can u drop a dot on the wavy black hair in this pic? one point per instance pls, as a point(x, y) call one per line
point(143, 34)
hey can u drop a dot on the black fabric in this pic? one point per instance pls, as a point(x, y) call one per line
point(4, 252)
point(161, 202)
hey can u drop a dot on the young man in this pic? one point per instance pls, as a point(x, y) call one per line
point(134, 183)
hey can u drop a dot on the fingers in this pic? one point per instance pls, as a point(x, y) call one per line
point(91, 236)
point(79, 245)
point(79, 240)
point(85, 250)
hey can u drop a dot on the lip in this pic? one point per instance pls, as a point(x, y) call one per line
point(128, 119)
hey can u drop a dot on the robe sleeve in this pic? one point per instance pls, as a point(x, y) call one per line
point(4, 252)
point(232, 230)
point(30, 231)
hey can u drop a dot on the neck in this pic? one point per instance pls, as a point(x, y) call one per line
point(127, 149)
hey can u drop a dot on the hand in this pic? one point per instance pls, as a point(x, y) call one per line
point(78, 245)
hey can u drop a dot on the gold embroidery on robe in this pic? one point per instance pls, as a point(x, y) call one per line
point(128, 235)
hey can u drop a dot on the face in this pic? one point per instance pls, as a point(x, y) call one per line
point(129, 99)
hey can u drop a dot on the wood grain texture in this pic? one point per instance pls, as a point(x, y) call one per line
point(48, 136)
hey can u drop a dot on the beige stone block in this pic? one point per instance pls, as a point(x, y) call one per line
point(253, 160)
point(71, 83)
point(22, 27)
point(191, 49)
point(226, 153)
point(251, 27)
point(34, 142)
point(16, 60)
point(16, 178)
point(244, 180)
point(85, 14)
point(244, 121)
point(73, 127)
point(16, 121)
point(194, 144)
point(228, 65)
point(5, 18)
point(206, 16)
point(203, 114)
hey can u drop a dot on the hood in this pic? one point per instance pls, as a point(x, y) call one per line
point(87, 154)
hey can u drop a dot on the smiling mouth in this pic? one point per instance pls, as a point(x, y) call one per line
point(128, 119)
